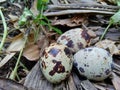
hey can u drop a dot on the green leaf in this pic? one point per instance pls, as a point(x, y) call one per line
point(43, 22)
point(115, 19)
point(45, 1)
point(118, 2)
point(23, 18)
point(57, 30)
point(39, 5)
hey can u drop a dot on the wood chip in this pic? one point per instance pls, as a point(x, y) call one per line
point(87, 85)
point(116, 81)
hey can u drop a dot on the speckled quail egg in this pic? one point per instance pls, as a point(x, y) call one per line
point(93, 63)
point(75, 39)
point(56, 63)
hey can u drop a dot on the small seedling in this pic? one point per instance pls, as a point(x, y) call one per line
point(115, 19)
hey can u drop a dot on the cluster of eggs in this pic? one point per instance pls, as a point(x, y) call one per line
point(58, 59)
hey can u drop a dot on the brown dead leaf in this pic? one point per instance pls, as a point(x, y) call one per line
point(71, 22)
point(116, 81)
point(79, 19)
point(63, 22)
point(92, 33)
point(13, 18)
point(108, 45)
point(94, 40)
point(31, 52)
point(43, 42)
point(16, 45)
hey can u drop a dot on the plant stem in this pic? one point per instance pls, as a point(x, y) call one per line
point(105, 31)
point(14, 72)
point(5, 30)
point(41, 12)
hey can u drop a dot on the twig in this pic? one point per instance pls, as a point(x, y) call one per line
point(5, 30)
point(83, 5)
point(14, 72)
point(65, 12)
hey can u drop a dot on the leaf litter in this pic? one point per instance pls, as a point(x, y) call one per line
point(34, 49)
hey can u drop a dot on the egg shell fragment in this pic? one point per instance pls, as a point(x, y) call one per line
point(56, 63)
point(75, 39)
point(93, 63)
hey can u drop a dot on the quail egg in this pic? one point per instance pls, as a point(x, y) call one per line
point(56, 63)
point(93, 63)
point(75, 39)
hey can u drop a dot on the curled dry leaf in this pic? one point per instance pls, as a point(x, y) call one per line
point(31, 52)
point(13, 18)
point(108, 45)
point(71, 22)
point(16, 45)
point(92, 33)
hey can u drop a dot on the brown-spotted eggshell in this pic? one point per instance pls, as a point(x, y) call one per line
point(56, 63)
point(75, 39)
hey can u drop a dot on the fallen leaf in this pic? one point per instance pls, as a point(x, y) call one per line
point(13, 18)
point(16, 45)
point(108, 45)
point(79, 19)
point(91, 33)
point(43, 42)
point(94, 40)
point(71, 22)
point(63, 22)
point(31, 52)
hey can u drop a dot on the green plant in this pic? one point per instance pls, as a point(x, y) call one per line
point(40, 21)
point(114, 20)
point(5, 30)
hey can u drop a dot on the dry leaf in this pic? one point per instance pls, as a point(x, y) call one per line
point(13, 18)
point(79, 19)
point(71, 22)
point(92, 33)
point(116, 81)
point(31, 52)
point(108, 45)
point(16, 45)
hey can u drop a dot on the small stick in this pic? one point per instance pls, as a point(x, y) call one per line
point(65, 12)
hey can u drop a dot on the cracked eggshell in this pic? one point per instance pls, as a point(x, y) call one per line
point(56, 63)
point(93, 63)
point(75, 39)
